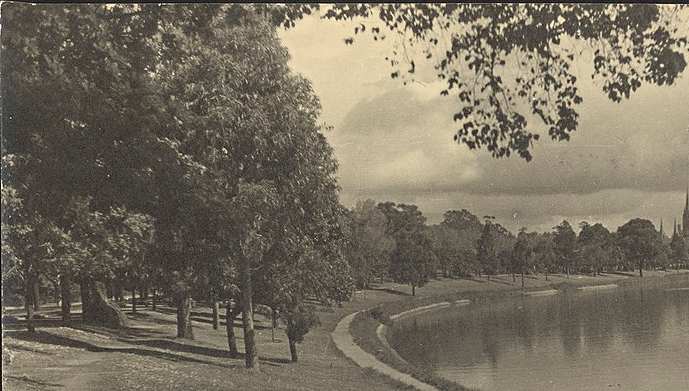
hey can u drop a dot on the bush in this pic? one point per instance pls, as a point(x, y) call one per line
point(379, 315)
point(300, 322)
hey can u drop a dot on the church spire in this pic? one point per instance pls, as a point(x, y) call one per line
point(685, 216)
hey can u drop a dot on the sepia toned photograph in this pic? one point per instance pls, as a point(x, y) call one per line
point(345, 196)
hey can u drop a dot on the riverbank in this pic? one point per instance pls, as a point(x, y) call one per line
point(147, 356)
point(366, 326)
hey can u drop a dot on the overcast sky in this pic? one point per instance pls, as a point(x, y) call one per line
point(394, 143)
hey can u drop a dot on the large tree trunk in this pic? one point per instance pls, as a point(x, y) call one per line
point(36, 286)
point(183, 302)
point(216, 313)
point(66, 295)
point(29, 299)
point(96, 307)
point(109, 291)
point(134, 299)
point(250, 351)
point(119, 297)
point(293, 349)
point(230, 316)
point(85, 298)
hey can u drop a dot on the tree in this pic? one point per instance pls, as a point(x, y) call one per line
point(457, 236)
point(486, 250)
point(413, 255)
point(595, 242)
point(565, 240)
point(545, 253)
point(299, 322)
point(640, 242)
point(369, 245)
point(523, 252)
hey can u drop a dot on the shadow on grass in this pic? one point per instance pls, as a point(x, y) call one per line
point(391, 291)
point(45, 323)
point(57, 340)
point(182, 347)
point(142, 316)
point(156, 343)
point(28, 380)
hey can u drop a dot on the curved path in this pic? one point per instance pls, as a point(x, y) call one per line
point(345, 343)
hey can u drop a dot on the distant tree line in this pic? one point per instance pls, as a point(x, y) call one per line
point(390, 241)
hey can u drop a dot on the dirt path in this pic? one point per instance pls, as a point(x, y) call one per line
point(345, 342)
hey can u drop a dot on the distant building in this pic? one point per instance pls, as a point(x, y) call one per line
point(683, 228)
point(685, 217)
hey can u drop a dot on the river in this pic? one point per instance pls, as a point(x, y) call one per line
point(634, 338)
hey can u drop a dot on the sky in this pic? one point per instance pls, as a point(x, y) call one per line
point(394, 143)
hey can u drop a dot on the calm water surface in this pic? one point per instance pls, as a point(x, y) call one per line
point(619, 339)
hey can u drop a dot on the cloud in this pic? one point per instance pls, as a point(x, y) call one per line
point(395, 143)
point(401, 141)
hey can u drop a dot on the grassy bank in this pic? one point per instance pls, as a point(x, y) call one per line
point(147, 356)
point(365, 323)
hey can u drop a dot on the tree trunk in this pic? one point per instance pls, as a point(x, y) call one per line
point(293, 349)
point(274, 323)
point(144, 295)
point(36, 295)
point(230, 316)
point(66, 294)
point(250, 351)
point(134, 300)
point(96, 307)
point(153, 299)
point(216, 314)
point(522, 280)
point(413, 290)
point(641, 268)
point(29, 298)
point(56, 290)
point(109, 291)
point(119, 297)
point(183, 302)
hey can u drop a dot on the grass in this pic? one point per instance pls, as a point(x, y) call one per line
point(149, 357)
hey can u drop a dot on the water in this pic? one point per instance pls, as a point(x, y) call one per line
point(619, 339)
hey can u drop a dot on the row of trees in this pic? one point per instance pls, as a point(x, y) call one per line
point(167, 150)
point(393, 241)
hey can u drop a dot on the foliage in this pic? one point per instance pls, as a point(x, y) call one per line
point(300, 321)
point(565, 240)
point(412, 259)
point(640, 241)
point(507, 63)
point(369, 247)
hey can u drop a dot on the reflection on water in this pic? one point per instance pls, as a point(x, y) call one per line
point(629, 339)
